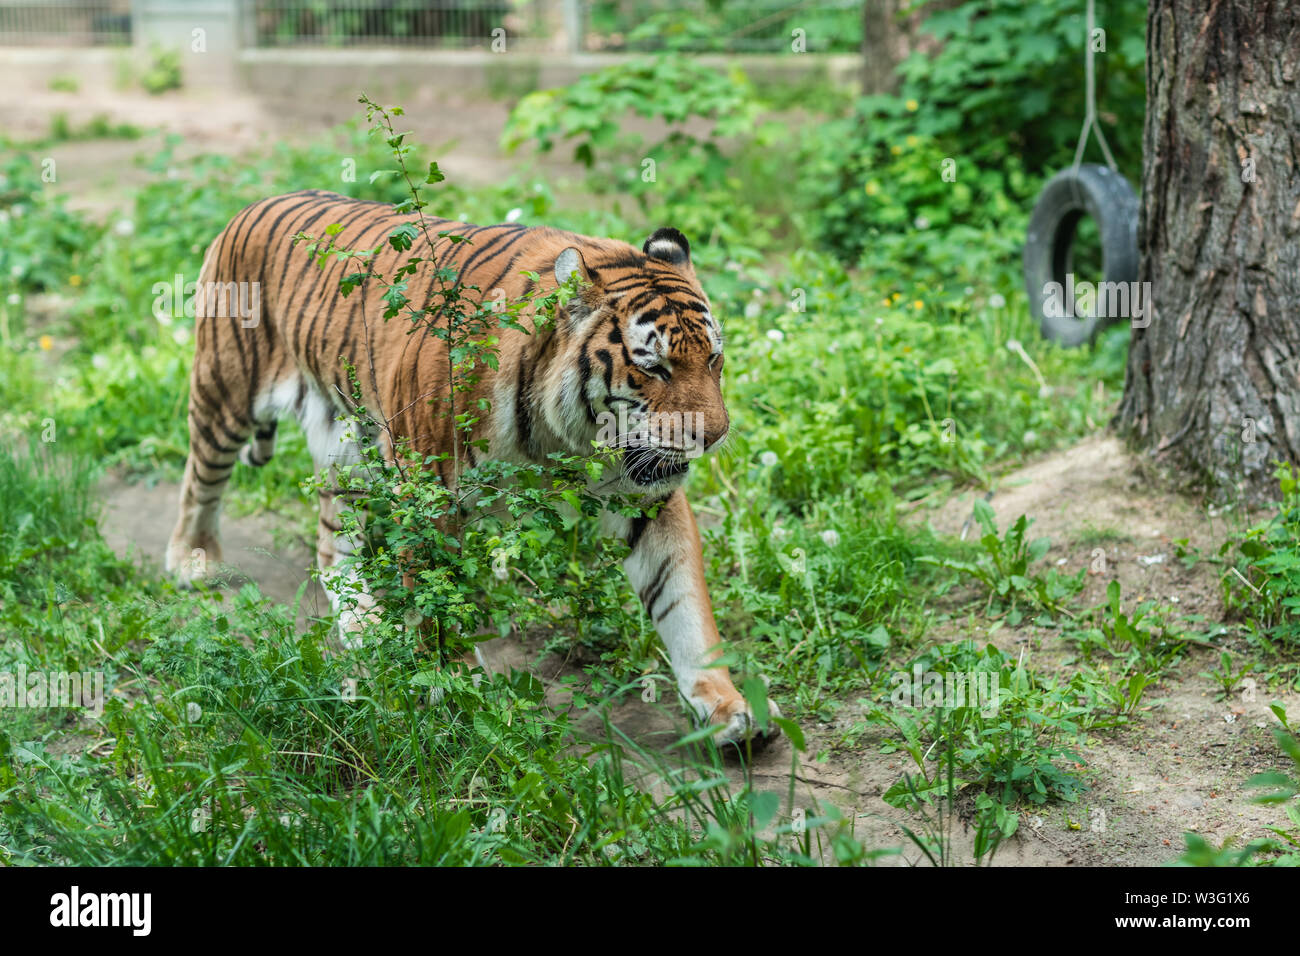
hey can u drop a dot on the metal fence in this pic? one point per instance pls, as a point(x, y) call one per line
point(730, 26)
point(453, 24)
point(65, 22)
point(697, 26)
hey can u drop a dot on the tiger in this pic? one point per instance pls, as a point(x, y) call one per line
point(637, 339)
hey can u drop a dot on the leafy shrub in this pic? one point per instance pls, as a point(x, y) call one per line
point(686, 176)
point(1263, 584)
point(163, 72)
point(1000, 98)
point(42, 243)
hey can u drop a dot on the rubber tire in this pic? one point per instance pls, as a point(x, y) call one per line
point(1070, 195)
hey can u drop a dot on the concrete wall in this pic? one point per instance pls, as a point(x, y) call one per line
point(212, 40)
point(388, 73)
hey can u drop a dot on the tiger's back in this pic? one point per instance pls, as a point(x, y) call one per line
point(296, 355)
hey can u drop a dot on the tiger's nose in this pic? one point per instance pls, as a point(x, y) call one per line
point(714, 435)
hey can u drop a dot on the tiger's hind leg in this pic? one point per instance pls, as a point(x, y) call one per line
point(218, 432)
point(232, 417)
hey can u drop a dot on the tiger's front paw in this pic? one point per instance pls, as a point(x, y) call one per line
point(738, 722)
point(188, 564)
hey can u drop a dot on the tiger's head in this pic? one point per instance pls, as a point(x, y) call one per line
point(644, 369)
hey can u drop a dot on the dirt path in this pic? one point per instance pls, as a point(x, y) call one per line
point(1180, 768)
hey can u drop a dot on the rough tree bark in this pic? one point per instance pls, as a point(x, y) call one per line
point(1212, 390)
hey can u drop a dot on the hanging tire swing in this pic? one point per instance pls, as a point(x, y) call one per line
point(1085, 189)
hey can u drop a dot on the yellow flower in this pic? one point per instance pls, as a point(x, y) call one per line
point(911, 141)
point(47, 343)
point(74, 280)
point(872, 188)
point(896, 150)
point(918, 305)
point(913, 106)
point(896, 296)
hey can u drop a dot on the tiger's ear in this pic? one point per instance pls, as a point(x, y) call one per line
point(669, 245)
point(569, 262)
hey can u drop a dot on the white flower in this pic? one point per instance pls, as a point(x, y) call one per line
point(16, 272)
point(776, 335)
point(921, 222)
point(996, 301)
point(124, 227)
point(831, 538)
point(879, 321)
point(99, 361)
point(180, 335)
point(14, 298)
point(18, 210)
point(412, 617)
point(1030, 437)
point(779, 534)
point(752, 310)
point(514, 214)
point(768, 459)
point(969, 290)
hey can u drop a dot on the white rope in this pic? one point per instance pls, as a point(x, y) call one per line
point(1090, 116)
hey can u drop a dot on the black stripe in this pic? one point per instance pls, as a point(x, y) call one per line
point(666, 611)
point(657, 586)
point(639, 524)
point(607, 360)
point(523, 409)
point(634, 261)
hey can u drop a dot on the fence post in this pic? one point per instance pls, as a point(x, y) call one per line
point(572, 14)
point(247, 16)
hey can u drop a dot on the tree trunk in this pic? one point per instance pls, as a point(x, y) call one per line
point(881, 45)
point(891, 29)
point(1212, 390)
